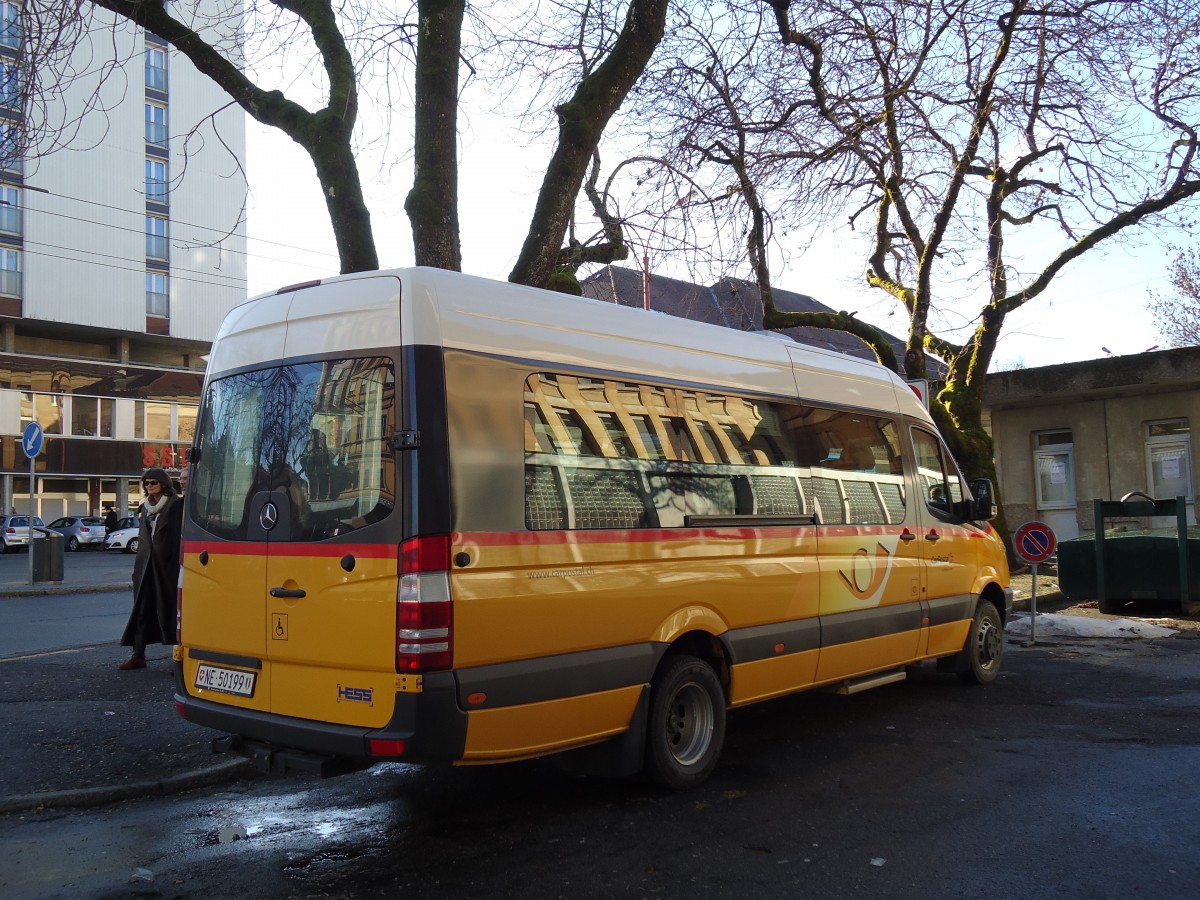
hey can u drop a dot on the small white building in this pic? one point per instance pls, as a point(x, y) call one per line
point(1070, 434)
point(121, 250)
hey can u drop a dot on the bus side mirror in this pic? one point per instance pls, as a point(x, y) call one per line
point(985, 500)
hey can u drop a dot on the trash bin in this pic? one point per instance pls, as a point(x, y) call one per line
point(1139, 564)
point(45, 555)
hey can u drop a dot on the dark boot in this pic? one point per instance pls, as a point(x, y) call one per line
point(137, 661)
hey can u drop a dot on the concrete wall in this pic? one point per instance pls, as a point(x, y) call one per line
point(1106, 404)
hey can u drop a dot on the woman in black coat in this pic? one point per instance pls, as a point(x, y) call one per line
point(155, 570)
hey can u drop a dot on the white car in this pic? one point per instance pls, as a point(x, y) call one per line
point(122, 539)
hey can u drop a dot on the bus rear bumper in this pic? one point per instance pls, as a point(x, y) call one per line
point(427, 726)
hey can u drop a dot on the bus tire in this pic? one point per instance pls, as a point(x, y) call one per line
point(686, 727)
point(984, 649)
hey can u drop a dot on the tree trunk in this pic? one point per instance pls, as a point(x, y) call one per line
point(432, 204)
point(581, 122)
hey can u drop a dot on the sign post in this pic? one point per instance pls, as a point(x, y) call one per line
point(1035, 543)
point(32, 439)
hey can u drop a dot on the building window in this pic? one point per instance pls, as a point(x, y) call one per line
point(1169, 459)
point(10, 272)
point(10, 209)
point(10, 25)
point(1054, 461)
point(156, 180)
point(10, 86)
point(156, 124)
point(92, 416)
point(156, 68)
point(152, 421)
point(185, 428)
point(156, 238)
point(45, 409)
point(10, 149)
point(157, 300)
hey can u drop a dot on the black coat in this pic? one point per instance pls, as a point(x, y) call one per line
point(156, 575)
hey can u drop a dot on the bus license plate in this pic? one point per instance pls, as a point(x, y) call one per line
point(226, 681)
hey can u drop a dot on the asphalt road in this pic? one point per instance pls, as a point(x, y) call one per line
point(1070, 777)
point(54, 621)
point(71, 614)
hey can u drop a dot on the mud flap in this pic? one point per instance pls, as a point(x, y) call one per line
point(622, 756)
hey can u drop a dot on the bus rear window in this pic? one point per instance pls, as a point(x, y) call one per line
point(318, 433)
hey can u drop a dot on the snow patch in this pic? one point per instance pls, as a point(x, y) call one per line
point(1055, 625)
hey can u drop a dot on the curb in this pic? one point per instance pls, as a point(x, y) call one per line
point(57, 587)
point(102, 796)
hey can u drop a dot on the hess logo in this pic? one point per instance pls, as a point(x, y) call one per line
point(356, 695)
point(867, 571)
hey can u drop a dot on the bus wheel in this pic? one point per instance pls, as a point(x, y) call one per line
point(985, 646)
point(686, 727)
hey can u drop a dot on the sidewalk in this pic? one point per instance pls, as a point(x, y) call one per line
point(77, 578)
point(78, 732)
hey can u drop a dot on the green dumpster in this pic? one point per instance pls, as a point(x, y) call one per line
point(1114, 567)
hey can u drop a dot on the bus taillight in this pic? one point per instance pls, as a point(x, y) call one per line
point(424, 613)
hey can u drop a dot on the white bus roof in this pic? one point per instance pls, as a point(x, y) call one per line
point(386, 308)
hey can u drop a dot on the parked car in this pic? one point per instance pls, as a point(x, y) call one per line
point(127, 522)
point(14, 532)
point(122, 539)
point(80, 531)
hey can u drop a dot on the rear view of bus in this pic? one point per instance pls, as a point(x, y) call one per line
point(293, 543)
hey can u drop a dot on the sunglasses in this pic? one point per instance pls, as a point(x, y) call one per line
point(148, 482)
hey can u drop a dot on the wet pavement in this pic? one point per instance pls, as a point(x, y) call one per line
point(79, 732)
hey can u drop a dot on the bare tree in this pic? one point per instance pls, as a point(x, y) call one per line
point(967, 125)
point(1178, 316)
point(601, 89)
point(355, 38)
point(721, 91)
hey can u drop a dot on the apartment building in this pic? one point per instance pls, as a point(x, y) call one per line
point(121, 249)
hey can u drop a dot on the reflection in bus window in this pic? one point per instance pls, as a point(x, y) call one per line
point(616, 435)
point(596, 451)
point(649, 437)
point(936, 473)
point(316, 434)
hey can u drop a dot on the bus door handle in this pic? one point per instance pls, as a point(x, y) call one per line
point(907, 535)
point(284, 592)
point(933, 536)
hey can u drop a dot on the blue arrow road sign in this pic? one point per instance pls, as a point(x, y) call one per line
point(31, 439)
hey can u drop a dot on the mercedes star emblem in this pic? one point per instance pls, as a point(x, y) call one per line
point(268, 516)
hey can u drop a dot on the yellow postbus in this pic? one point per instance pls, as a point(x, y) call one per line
point(433, 517)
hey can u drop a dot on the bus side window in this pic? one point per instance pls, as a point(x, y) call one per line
point(936, 472)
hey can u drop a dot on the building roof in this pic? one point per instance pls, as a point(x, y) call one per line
point(730, 302)
point(1135, 373)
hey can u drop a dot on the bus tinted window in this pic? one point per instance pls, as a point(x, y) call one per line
point(608, 454)
point(316, 434)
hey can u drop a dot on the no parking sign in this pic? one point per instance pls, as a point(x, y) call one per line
point(1034, 542)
